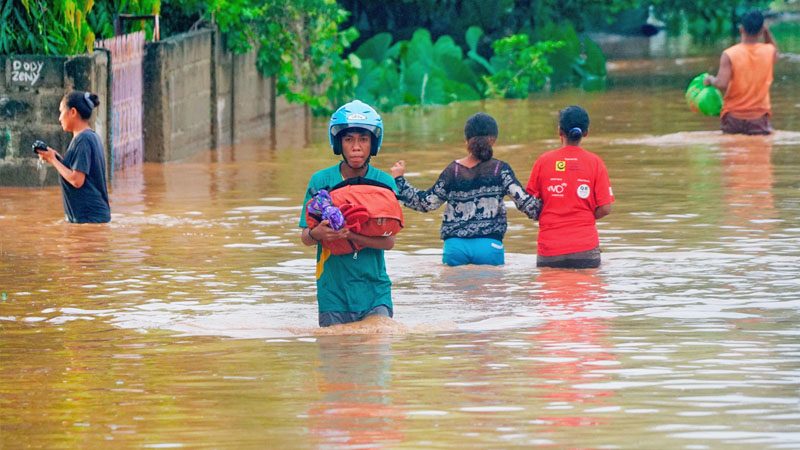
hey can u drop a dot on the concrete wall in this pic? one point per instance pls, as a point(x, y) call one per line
point(177, 95)
point(292, 125)
point(253, 99)
point(199, 96)
point(222, 104)
point(31, 89)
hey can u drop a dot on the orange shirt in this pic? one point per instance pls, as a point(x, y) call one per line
point(747, 96)
point(572, 183)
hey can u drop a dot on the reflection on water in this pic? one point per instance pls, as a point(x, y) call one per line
point(569, 344)
point(747, 169)
point(169, 327)
point(356, 408)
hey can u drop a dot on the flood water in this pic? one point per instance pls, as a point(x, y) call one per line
point(169, 327)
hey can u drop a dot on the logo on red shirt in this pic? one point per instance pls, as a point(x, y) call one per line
point(557, 188)
point(561, 166)
point(584, 191)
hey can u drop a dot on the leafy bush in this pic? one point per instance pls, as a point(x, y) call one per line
point(705, 20)
point(497, 18)
point(298, 42)
point(64, 27)
point(45, 27)
point(417, 71)
point(517, 67)
point(103, 13)
point(420, 71)
point(180, 16)
point(579, 61)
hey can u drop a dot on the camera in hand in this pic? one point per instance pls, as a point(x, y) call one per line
point(39, 146)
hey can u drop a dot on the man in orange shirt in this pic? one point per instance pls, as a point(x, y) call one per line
point(745, 75)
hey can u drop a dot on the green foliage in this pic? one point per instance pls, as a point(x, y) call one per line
point(180, 16)
point(420, 71)
point(706, 20)
point(575, 13)
point(498, 18)
point(578, 62)
point(102, 15)
point(298, 42)
point(436, 73)
point(787, 35)
point(518, 67)
point(45, 27)
point(473, 37)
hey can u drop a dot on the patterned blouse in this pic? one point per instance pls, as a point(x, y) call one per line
point(474, 199)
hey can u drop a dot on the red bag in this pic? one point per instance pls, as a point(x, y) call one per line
point(370, 208)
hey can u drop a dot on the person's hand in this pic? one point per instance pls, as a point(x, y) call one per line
point(708, 80)
point(323, 232)
point(398, 169)
point(48, 155)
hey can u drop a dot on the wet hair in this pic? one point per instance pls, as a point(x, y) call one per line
point(480, 132)
point(574, 123)
point(752, 22)
point(83, 102)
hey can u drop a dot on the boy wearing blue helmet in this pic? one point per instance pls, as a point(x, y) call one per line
point(351, 287)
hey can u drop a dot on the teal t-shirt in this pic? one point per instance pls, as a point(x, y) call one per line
point(345, 283)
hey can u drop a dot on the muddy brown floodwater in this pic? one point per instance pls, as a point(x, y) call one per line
point(169, 327)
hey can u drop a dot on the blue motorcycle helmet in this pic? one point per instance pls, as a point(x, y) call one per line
point(355, 114)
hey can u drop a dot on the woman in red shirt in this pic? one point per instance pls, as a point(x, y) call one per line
point(575, 191)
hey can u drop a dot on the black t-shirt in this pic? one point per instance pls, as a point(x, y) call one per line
point(89, 203)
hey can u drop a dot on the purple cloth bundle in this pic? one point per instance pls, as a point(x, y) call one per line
point(321, 205)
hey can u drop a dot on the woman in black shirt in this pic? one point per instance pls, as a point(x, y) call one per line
point(82, 169)
point(474, 220)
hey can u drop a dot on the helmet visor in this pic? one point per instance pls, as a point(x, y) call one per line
point(337, 129)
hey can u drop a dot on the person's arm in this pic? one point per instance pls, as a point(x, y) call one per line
point(531, 188)
point(306, 238)
point(602, 211)
point(322, 232)
point(527, 204)
point(74, 177)
point(723, 75)
point(376, 242)
point(770, 39)
point(414, 198)
point(602, 193)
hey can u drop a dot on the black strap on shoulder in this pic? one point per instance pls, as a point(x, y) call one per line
point(361, 180)
point(350, 182)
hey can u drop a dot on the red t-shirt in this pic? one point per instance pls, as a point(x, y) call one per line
point(572, 183)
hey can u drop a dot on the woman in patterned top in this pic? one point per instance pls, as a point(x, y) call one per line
point(474, 220)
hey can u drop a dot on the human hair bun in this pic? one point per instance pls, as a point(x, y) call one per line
point(94, 99)
point(573, 121)
point(481, 147)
